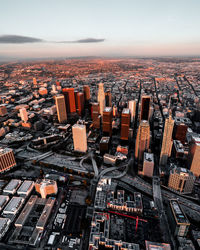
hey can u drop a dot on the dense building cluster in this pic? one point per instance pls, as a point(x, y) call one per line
point(100, 154)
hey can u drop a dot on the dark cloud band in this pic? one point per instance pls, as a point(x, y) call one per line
point(25, 39)
point(19, 39)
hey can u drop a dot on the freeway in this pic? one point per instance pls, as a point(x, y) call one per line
point(191, 208)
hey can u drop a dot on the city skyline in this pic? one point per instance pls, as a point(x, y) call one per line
point(36, 29)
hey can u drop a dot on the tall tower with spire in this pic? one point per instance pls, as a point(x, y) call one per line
point(167, 140)
point(101, 98)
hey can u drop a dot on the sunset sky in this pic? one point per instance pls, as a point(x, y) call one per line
point(62, 28)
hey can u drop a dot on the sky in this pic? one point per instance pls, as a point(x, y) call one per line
point(66, 28)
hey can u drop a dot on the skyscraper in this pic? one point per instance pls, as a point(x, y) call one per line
point(69, 100)
point(61, 108)
point(132, 107)
point(80, 103)
point(108, 99)
point(107, 120)
point(145, 107)
point(194, 156)
point(125, 123)
point(86, 90)
point(101, 98)
point(167, 140)
point(142, 140)
point(95, 115)
point(79, 137)
point(23, 114)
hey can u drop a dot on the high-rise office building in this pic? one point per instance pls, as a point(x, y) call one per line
point(125, 123)
point(86, 90)
point(132, 108)
point(148, 164)
point(142, 140)
point(61, 108)
point(179, 223)
point(145, 107)
point(167, 141)
point(107, 120)
point(95, 115)
point(181, 179)
point(108, 99)
point(7, 159)
point(194, 156)
point(69, 99)
point(101, 98)
point(181, 125)
point(3, 110)
point(23, 115)
point(79, 97)
point(79, 137)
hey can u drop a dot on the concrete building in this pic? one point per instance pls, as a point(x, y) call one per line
point(46, 187)
point(101, 98)
point(26, 188)
point(181, 179)
point(142, 140)
point(148, 164)
point(12, 186)
point(7, 159)
point(61, 108)
point(79, 137)
point(36, 221)
point(3, 201)
point(167, 141)
point(4, 226)
point(132, 108)
point(13, 206)
point(194, 156)
point(23, 115)
point(178, 221)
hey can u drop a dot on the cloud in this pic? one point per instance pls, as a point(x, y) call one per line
point(15, 39)
point(87, 40)
point(19, 39)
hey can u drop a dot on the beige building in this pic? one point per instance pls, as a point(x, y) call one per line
point(167, 141)
point(61, 108)
point(142, 140)
point(79, 137)
point(194, 156)
point(132, 107)
point(7, 159)
point(23, 115)
point(101, 98)
point(181, 179)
